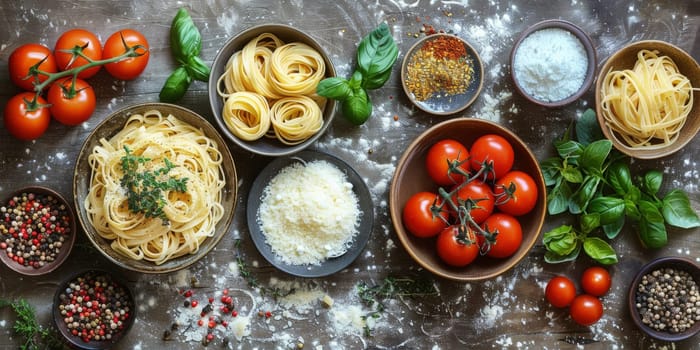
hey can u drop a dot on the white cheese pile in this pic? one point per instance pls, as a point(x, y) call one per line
point(309, 213)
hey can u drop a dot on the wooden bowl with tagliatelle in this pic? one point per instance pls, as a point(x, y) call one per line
point(155, 187)
point(642, 121)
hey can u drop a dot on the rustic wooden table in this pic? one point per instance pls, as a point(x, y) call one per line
point(506, 312)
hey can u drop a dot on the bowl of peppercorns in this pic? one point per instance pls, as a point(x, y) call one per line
point(664, 299)
point(37, 230)
point(93, 309)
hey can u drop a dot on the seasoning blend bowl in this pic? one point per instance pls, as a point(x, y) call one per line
point(66, 245)
point(411, 177)
point(625, 58)
point(677, 263)
point(435, 100)
point(76, 341)
point(588, 46)
point(81, 186)
point(265, 146)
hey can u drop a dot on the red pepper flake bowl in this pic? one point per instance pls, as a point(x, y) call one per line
point(110, 306)
point(45, 232)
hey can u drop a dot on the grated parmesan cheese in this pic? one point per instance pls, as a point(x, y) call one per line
point(309, 213)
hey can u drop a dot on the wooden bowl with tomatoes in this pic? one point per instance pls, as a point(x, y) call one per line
point(467, 199)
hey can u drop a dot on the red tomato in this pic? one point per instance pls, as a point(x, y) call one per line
point(480, 193)
point(24, 124)
point(491, 148)
point(523, 190)
point(440, 155)
point(596, 281)
point(452, 251)
point(128, 68)
point(71, 110)
point(418, 216)
point(560, 291)
point(586, 309)
point(510, 234)
point(71, 39)
point(26, 56)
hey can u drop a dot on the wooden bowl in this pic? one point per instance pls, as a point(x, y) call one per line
point(265, 146)
point(66, 245)
point(677, 263)
point(625, 58)
point(588, 46)
point(81, 186)
point(411, 177)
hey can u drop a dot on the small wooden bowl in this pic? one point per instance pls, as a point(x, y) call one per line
point(66, 246)
point(625, 58)
point(410, 177)
point(677, 263)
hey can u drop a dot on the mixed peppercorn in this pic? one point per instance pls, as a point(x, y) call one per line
point(668, 300)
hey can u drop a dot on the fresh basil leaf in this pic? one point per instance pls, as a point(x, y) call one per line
point(357, 108)
point(572, 174)
point(336, 88)
point(558, 198)
point(376, 55)
point(551, 170)
point(376, 81)
point(619, 177)
point(553, 258)
point(175, 86)
point(569, 150)
point(633, 194)
point(594, 155)
point(652, 231)
point(599, 250)
point(561, 240)
point(197, 69)
point(587, 128)
point(589, 222)
point(612, 230)
point(185, 40)
point(677, 210)
point(580, 198)
point(355, 82)
point(631, 209)
point(609, 208)
point(651, 183)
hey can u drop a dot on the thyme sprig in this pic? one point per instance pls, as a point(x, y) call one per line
point(252, 281)
point(26, 326)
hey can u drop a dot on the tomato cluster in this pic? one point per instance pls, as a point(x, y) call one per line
point(479, 197)
point(56, 79)
point(585, 309)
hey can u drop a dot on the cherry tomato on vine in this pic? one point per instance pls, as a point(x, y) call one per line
point(524, 196)
point(586, 309)
point(439, 155)
point(22, 123)
point(456, 253)
point(479, 193)
point(510, 234)
point(84, 39)
point(596, 281)
point(418, 216)
point(560, 291)
point(129, 68)
point(71, 110)
point(26, 56)
point(492, 148)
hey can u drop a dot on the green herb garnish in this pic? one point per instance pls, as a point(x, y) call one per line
point(145, 188)
point(26, 326)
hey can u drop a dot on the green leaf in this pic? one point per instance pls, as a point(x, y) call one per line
point(599, 250)
point(553, 258)
point(561, 240)
point(335, 88)
point(619, 177)
point(569, 150)
point(587, 128)
point(175, 86)
point(357, 108)
point(633, 194)
point(612, 230)
point(631, 209)
point(376, 55)
point(551, 170)
point(677, 210)
point(594, 155)
point(590, 222)
point(572, 174)
point(580, 198)
point(609, 208)
point(558, 198)
point(652, 231)
point(651, 183)
point(185, 40)
point(198, 69)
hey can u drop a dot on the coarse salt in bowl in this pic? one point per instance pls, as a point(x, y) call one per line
point(553, 63)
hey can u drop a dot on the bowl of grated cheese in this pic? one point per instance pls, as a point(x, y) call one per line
point(309, 215)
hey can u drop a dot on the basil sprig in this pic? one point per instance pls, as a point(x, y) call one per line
point(376, 55)
point(185, 45)
point(594, 182)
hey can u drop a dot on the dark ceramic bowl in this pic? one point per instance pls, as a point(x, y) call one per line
point(77, 342)
point(410, 177)
point(81, 186)
point(67, 244)
point(588, 46)
point(677, 263)
point(265, 146)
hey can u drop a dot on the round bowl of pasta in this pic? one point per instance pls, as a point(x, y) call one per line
point(155, 187)
point(644, 99)
point(262, 90)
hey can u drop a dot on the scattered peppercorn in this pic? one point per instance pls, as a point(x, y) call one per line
point(668, 300)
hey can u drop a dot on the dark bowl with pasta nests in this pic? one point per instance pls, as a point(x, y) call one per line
point(623, 62)
point(194, 149)
point(272, 109)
